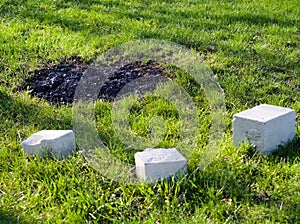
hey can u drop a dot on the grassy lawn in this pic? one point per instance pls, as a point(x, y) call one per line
point(253, 48)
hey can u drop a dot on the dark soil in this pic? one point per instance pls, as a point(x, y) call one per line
point(57, 83)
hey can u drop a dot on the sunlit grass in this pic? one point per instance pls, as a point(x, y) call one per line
point(253, 49)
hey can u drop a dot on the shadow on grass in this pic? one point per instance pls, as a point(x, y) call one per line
point(6, 218)
point(142, 13)
point(260, 20)
point(289, 152)
point(17, 110)
point(116, 12)
point(22, 112)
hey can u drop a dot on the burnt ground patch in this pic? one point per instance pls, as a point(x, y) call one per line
point(57, 83)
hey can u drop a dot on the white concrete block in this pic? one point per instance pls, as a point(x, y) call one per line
point(157, 164)
point(265, 126)
point(61, 143)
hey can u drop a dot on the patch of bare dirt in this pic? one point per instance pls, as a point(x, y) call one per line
point(57, 83)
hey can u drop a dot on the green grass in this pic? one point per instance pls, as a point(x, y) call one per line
point(253, 47)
